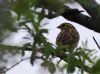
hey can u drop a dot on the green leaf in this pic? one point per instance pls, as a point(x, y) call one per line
point(45, 63)
point(50, 65)
point(7, 22)
point(31, 15)
point(28, 28)
point(70, 68)
point(65, 66)
point(96, 68)
point(20, 7)
point(32, 59)
point(48, 49)
point(41, 15)
point(39, 38)
point(86, 56)
point(71, 64)
point(25, 46)
point(43, 30)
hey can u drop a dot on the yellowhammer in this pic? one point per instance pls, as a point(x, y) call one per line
point(68, 36)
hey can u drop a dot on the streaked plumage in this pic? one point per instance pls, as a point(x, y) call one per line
point(68, 36)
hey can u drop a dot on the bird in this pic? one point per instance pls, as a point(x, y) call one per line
point(66, 41)
point(68, 37)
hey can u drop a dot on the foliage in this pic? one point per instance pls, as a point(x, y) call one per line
point(96, 68)
point(6, 22)
point(26, 12)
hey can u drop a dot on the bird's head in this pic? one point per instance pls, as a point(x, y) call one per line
point(65, 26)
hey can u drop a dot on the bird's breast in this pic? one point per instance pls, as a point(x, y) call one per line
point(69, 37)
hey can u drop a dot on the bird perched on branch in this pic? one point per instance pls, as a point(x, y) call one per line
point(68, 37)
point(66, 41)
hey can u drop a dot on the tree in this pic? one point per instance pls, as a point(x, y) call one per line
point(26, 11)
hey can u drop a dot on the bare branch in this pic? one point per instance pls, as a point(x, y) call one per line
point(91, 6)
point(37, 57)
point(14, 65)
point(96, 42)
point(84, 20)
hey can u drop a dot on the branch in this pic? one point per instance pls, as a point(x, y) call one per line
point(84, 20)
point(91, 6)
point(76, 15)
point(37, 57)
point(14, 65)
point(77, 62)
point(96, 42)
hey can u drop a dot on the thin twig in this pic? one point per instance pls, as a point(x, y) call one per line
point(14, 65)
point(96, 42)
point(19, 63)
